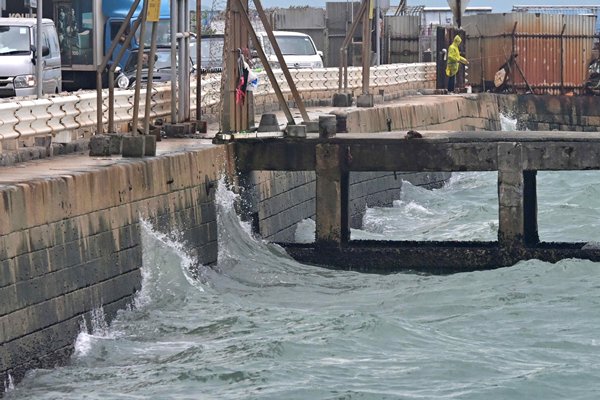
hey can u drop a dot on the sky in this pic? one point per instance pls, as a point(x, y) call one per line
point(497, 5)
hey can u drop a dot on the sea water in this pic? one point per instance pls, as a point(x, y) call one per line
point(261, 326)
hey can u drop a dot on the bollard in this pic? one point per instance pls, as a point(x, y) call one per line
point(268, 123)
point(100, 146)
point(327, 126)
point(298, 131)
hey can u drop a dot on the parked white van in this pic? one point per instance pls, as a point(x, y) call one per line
point(298, 49)
point(18, 57)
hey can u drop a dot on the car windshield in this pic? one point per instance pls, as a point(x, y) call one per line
point(14, 40)
point(163, 34)
point(162, 60)
point(292, 46)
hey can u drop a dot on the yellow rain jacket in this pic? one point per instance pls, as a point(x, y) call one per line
point(454, 57)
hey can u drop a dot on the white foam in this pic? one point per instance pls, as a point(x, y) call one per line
point(305, 231)
point(507, 123)
point(10, 385)
point(99, 330)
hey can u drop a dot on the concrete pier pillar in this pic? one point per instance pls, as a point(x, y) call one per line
point(332, 225)
point(530, 229)
point(517, 197)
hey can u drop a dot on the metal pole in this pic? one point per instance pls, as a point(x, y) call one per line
point(343, 69)
point(562, 60)
point(282, 64)
point(377, 34)
point(138, 72)
point(263, 58)
point(185, 61)
point(150, 76)
point(174, 93)
point(38, 51)
point(198, 60)
point(102, 66)
point(180, 54)
point(111, 74)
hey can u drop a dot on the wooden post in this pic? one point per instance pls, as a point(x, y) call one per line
point(332, 196)
point(284, 67)
point(366, 51)
point(234, 118)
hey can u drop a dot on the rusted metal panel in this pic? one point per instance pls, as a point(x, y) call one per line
point(402, 39)
point(553, 50)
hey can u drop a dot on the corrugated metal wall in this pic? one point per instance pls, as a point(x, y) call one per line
point(553, 51)
point(402, 39)
point(339, 19)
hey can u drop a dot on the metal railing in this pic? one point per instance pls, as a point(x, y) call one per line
point(74, 114)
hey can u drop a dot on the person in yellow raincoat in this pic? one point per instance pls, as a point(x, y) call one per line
point(454, 58)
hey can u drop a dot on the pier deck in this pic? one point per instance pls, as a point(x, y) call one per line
point(517, 156)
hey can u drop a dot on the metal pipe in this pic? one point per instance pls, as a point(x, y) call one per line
point(562, 60)
point(38, 51)
point(377, 34)
point(111, 73)
point(180, 54)
point(282, 63)
point(104, 63)
point(344, 48)
point(138, 72)
point(174, 93)
point(185, 61)
point(198, 60)
point(263, 58)
point(150, 77)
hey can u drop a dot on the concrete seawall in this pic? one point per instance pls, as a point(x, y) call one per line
point(70, 242)
point(70, 233)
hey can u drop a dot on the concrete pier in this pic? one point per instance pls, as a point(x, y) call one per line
point(517, 156)
point(70, 237)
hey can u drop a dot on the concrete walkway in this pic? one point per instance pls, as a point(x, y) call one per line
point(81, 162)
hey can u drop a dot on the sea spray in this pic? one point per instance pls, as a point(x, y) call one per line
point(9, 384)
point(97, 328)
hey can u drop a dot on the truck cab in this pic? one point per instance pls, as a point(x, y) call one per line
point(85, 31)
point(18, 56)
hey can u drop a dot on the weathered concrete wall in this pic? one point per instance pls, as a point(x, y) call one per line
point(277, 201)
point(549, 113)
point(69, 245)
point(453, 113)
point(72, 244)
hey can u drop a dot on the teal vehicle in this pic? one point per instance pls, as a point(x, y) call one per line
point(85, 31)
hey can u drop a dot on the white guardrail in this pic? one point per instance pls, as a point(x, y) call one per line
point(26, 118)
